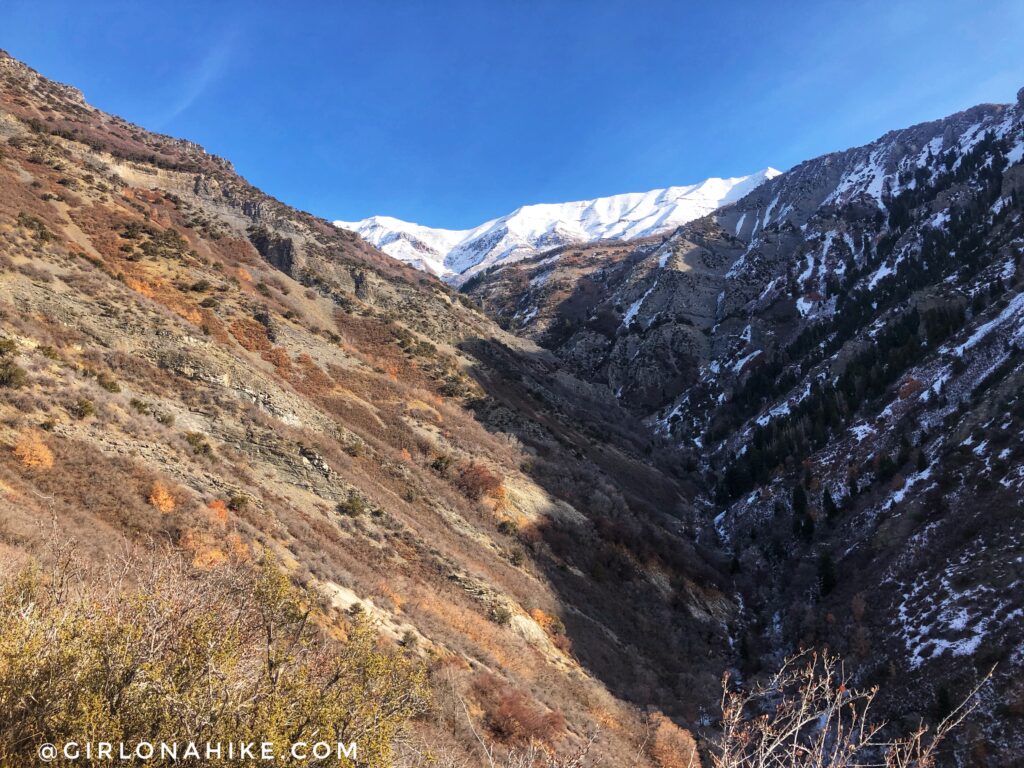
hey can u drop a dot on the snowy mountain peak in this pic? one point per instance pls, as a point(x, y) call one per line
point(456, 255)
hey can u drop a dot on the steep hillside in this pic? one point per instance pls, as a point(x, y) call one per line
point(457, 255)
point(186, 360)
point(844, 348)
point(796, 420)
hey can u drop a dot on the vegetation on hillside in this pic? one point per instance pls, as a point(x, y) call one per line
point(152, 650)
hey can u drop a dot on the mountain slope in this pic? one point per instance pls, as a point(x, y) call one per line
point(185, 360)
point(845, 348)
point(796, 420)
point(456, 255)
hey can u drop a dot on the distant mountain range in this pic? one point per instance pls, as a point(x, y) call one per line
point(456, 255)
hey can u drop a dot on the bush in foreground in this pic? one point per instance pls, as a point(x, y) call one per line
point(808, 715)
point(239, 656)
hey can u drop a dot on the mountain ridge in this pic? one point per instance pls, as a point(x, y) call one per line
point(844, 349)
point(456, 255)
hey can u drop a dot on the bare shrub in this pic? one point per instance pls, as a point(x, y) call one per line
point(476, 481)
point(807, 714)
point(511, 715)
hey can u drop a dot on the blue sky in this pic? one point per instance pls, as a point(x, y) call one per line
point(449, 113)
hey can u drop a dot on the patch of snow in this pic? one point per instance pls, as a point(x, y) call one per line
point(882, 272)
point(739, 224)
point(909, 483)
point(861, 432)
point(740, 363)
point(524, 319)
point(782, 409)
point(768, 211)
point(1015, 306)
point(634, 308)
point(809, 270)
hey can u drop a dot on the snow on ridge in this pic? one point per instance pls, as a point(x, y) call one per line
point(1012, 311)
point(455, 255)
point(876, 167)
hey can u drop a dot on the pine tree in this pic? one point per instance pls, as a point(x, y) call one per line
point(807, 528)
point(829, 505)
point(799, 500)
point(826, 573)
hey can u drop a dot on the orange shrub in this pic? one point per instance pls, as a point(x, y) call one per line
point(219, 510)
point(250, 334)
point(314, 380)
point(191, 314)
point(140, 286)
point(554, 628)
point(32, 452)
point(237, 548)
point(608, 719)
point(476, 481)
point(278, 357)
point(544, 619)
point(396, 599)
point(512, 715)
point(909, 388)
point(500, 496)
point(161, 498)
point(673, 747)
point(206, 554)
point(206, 558)
point(562, 643)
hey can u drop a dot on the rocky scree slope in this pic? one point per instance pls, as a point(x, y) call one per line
point(843, 346)
point(457, 255)
point(184, 358)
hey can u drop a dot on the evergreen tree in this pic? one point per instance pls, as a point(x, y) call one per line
point(829, 505)
point(799, 500)
point(807, 528)
point(826, 573)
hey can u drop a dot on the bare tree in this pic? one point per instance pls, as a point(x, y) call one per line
point(808, 715)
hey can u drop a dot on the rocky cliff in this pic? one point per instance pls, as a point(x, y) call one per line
point(843, 347)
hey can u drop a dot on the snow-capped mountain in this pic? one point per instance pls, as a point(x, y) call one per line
point(456, 255)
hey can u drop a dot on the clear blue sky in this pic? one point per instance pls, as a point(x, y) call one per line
point(449, 113)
